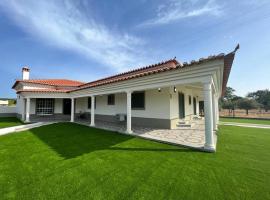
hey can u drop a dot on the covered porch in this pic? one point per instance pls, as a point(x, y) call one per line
point(189, 137)
point(169, 114)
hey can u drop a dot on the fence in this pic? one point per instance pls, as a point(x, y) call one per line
point(262, 114)
point(7, 111)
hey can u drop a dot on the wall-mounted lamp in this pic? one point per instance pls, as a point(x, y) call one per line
point(174, 89)
point(159, 89)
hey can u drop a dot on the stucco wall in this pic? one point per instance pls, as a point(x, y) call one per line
point(19, 104)
point(174, 104)
point(157, 105)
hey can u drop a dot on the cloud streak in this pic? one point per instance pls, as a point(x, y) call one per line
point(176, 10)
point(63, 24)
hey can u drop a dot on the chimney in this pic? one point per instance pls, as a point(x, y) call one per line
point(25, 73)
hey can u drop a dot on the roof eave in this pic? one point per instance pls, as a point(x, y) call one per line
point(228, 61)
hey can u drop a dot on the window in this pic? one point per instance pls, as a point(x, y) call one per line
point(138, 100)
point(89, 102)
point(189, 100)
point(111, 99)
point(44, 106)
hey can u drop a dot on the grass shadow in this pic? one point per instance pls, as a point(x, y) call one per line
point(70, 140)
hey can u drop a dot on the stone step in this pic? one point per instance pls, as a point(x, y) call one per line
point(183, 125)
point(181, 122)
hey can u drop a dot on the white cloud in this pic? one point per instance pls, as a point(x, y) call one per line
point(176, 10)
point(62, 23)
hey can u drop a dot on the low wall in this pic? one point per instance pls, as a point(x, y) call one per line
point(7, 111)
point(253, 114)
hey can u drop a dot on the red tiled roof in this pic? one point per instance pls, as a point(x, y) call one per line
point(151, 69)
point(52, 82)
point(43, 90)
point(164, 66)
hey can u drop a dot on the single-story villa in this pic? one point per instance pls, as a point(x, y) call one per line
point(165, 95)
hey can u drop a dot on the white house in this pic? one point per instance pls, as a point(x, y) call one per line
point(156, 96)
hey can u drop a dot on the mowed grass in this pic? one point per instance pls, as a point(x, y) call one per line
point(250, 121)
point(71, 161)
point(9, 121)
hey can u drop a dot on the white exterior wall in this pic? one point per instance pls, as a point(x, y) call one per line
point(32, 106)
point(157, 105)
point(19, 104)
point(174, 103)
point(58, 106)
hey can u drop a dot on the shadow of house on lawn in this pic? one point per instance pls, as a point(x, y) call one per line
point(71, 140)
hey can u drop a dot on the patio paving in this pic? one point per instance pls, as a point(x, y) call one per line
point(193, 137)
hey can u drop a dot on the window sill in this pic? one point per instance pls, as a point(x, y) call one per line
point(137, 108)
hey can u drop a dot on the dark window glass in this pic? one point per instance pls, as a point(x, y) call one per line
point(111, 99)
point(44, 106)
point(89, 102)
point(138, 100)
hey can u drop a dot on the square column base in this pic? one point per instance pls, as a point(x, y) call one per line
point(128, 132)
point(209, 148)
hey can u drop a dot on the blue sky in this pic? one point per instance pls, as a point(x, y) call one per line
point(86, 40)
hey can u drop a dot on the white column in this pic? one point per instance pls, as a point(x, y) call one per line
point(23, 109)
point(197, 106)
point(217, 109)
point(92, 111)
point(27, 115)
point(214, 112)
point(129, 130)
point(208, 113)
point(72, 110)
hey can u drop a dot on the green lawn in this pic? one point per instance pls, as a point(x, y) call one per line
point(9, 121)
point(250, 121)
point(70, 161)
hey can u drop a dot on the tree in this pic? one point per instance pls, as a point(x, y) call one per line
point(262, 97)
point(229, 100)
point(229, 93)
point(11, 102)
point(247, 104)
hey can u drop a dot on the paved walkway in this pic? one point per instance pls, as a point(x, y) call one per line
point(189, 137)
point(245, 125)
point(4, 131)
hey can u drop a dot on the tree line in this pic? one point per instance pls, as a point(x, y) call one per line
point(259, 99)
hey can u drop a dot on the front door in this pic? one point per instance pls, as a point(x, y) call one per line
point(181, 101)
point(66, 106)
point(194, 106)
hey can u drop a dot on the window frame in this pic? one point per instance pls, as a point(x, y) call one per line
point(132, 99)
point(48, 105)
point(111, 99)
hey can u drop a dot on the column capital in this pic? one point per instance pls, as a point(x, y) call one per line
point(207, 86)
point(129, 91)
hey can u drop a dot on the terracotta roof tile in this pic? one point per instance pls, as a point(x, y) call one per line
point(164, 66)
point(43, 90)
point(52, 82)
